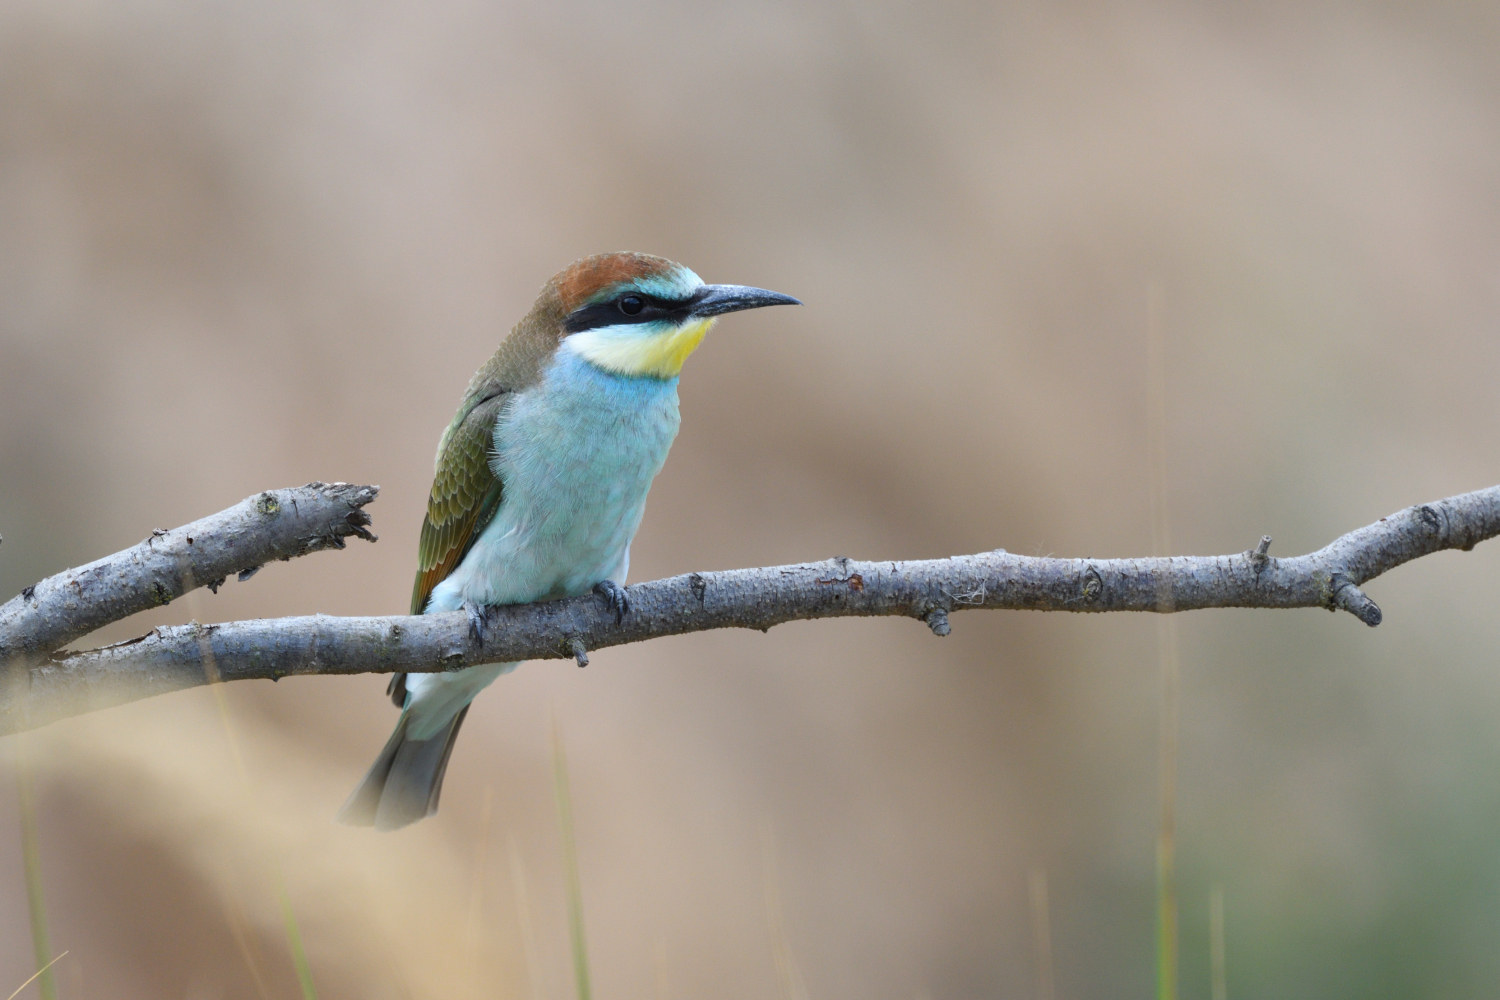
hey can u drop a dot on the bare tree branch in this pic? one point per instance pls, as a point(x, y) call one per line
point(278, 524)
point(169, 659)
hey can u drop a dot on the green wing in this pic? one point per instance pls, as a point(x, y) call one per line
point(465, 495)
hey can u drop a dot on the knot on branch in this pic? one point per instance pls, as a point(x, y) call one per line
point(1093, 585)
point(855, 581)
point(937, 620)
point(1429, 517)
point(1259, 559)
point(1353, 600)
point(1462, 532)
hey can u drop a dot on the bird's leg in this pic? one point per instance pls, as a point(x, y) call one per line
point(614, 596)
point(476, 621)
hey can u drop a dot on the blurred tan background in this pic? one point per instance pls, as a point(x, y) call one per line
point(247, 246)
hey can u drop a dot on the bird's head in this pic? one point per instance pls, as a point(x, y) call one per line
point(639, 315)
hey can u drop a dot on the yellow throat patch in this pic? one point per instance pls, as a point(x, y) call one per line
point(627, 351)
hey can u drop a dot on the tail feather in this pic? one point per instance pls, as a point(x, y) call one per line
point(406, 780)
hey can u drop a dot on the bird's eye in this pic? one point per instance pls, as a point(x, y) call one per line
point(632, 304)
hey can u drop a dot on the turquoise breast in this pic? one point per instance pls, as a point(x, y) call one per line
point(577, 454)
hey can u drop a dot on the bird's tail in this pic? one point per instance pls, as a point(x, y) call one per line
point(404, 784)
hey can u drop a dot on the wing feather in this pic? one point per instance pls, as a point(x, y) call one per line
point(465, 495)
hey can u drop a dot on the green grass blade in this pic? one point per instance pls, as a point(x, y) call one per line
point(1166, 838)
point(31, 858)
point(570, 864)
point(288, 918)
point(1166, 925)
point(1219, 984)
point(1171, 683)
point(294, 938)
point(1041, 934)
point(38, 972)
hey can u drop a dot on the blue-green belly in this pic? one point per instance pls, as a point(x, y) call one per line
point(576, 455)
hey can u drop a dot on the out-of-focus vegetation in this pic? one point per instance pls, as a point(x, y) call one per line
point(245, 246)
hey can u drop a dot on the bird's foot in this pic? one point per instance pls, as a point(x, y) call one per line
point(614, 596)
point(476, 621)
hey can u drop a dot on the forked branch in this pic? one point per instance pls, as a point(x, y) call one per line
point(278, 524)
point(169, 659)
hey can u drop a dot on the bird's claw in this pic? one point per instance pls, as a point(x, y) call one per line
point(615, 597)
point(476, 621)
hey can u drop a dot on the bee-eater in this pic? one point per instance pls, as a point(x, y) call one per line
point(541, 481)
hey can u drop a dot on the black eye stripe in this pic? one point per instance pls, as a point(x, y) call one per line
point(609, 313)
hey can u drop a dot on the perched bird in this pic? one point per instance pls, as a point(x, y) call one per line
point(541, 482)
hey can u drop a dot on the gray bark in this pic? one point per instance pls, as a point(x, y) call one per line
point(170, 659)
point(278, 524)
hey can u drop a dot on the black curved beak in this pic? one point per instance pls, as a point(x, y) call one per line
point(715, 300)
